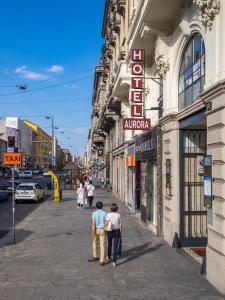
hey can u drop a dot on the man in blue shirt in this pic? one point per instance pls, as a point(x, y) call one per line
point(98, 232)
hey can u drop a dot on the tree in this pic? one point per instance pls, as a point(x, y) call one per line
point(60, 161)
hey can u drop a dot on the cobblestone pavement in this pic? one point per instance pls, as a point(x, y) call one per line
point(49, 260)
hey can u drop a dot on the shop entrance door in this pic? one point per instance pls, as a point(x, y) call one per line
point(193, 223)
point(150, 191)
point(138, 185)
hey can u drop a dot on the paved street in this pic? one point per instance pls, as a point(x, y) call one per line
point(22, 209)
point(49, 260)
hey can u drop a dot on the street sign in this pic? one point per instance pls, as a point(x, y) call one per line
point(12, 159)
point(53, 159)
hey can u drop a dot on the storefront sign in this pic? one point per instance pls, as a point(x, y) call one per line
point(137, 120)
point(137, 111)
point(11, 123)
point(12, 159)
point(146, 145)
point(138, 55)
point(136, 124)
point(208, 195)
point(130, 159)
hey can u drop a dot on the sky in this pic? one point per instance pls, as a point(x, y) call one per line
point(51, 47)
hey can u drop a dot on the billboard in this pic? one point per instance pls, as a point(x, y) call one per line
point(11, 122)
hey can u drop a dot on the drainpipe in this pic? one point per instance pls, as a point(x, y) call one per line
point(160, 183)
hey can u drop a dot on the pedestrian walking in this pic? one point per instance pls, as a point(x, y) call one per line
point(102, 181)
point(114, 235)
point(107, 183)
point(98, 233)
point(86, 183)
point(80, 196)
point(91, 194)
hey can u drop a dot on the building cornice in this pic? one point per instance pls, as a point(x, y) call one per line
point(184, 113)
point(106, 11)
point(213, 91)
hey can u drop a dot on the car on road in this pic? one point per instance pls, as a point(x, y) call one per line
point(20, 173)
point(4, 195)
point(29, 191)
point(35, 172)
point(9, 188)
point(27, 174)
point(45, 174)
point(9, 172)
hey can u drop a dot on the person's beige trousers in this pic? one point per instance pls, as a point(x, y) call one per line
point(100, 236)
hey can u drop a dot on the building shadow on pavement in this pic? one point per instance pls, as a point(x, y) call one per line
point(20, 236)
point(58, 234)
point(138, 251)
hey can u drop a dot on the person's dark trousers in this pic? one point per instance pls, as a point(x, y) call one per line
point(90, 200)
point(119, 250)
point(114, 236)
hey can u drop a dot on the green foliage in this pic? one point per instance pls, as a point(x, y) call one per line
point(60, 162)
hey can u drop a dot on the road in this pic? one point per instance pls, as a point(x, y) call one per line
point(22, 209)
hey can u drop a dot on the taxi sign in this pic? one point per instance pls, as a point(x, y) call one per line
point(12, 159)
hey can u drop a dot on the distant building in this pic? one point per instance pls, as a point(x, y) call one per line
point(41, 145)
point(18, 137)
point(3, 149)
point(67, 155)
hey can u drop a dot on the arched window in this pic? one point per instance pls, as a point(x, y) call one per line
point(192, 71)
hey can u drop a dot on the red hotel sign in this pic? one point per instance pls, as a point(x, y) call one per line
point(137, 120)
point(136, 124)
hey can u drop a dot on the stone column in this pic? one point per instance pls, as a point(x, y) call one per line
point(171, 201)
point(215, 103)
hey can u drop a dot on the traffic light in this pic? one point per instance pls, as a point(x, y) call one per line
point(11, 141)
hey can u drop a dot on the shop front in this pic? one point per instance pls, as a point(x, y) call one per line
point(146, 177)
point(193, 213)
point(130, 164)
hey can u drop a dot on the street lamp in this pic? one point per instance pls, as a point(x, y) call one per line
point(53, 139)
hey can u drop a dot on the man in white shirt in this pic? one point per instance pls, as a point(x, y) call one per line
point(91, 194)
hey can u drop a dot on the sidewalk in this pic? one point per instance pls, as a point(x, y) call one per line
point(50, 260)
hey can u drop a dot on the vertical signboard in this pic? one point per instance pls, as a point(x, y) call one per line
point(137, 120)
point(168, 177)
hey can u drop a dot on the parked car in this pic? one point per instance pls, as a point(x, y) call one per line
point(4, 195)
point(29, 191)
point(45, 174)
point(27, 174)
point(8, 186)
point(20, 173)
point(8, 174)
point(35, 172)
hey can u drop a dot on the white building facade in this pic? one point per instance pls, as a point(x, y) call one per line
point(18, 136)
point(159, 174)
